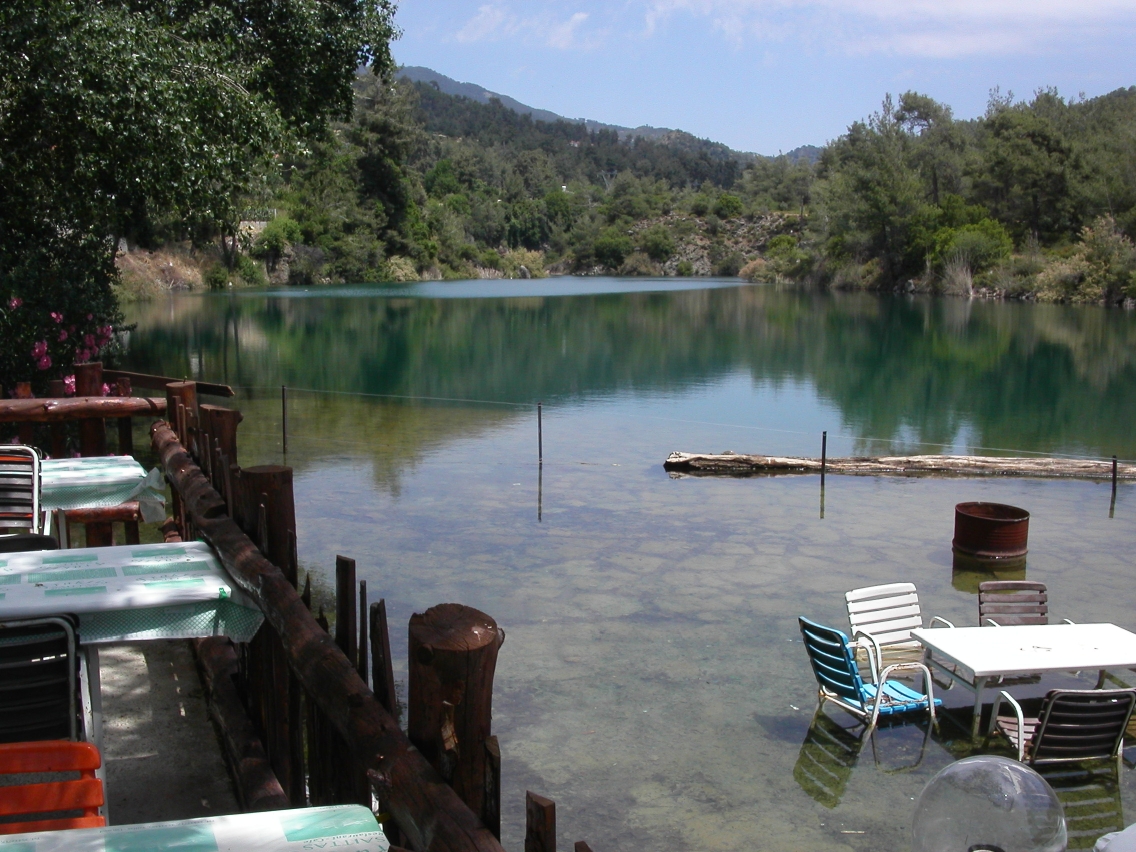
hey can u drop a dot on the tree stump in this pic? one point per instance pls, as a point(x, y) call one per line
point(453, 656)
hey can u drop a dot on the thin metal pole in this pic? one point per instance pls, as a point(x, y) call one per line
point(539, 435)
point(1112, 505)
point(284, 415)
point(823, 455)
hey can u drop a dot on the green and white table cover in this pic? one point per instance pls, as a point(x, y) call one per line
point(128, 593)
point(337, 827)
point(99, 481)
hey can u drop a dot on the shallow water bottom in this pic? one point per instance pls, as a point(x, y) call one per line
point(652, 681)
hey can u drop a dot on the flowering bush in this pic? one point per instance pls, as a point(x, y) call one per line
point(56, 310)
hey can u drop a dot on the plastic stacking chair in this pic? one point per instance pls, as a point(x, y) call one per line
point(882, 618)
point(65, 804)
point(1005, 602)
point(839, 680)
point(19, 489)
point(39, 696)
point(1073, 725)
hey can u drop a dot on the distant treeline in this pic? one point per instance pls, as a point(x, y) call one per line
point(1036, 198)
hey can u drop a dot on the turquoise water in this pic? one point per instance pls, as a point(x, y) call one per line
point(651, 682)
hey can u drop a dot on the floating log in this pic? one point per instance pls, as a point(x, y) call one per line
point(61, 410)
point(737, 464)
point(427, 809)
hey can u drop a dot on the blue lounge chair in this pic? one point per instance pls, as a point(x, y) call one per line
point(839, 680)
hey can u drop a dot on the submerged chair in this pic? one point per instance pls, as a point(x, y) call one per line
point(19, 489)
point(65, 804)
point(839, 680)
point(882, 618)
point(1073, 725)
point(1010, 602)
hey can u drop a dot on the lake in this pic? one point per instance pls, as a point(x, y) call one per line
point(652, 681)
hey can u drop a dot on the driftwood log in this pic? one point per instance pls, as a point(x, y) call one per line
point(736, 464)
point(426, 808)
point(61, 410)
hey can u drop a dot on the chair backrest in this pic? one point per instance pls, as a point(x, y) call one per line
point(39, 680)
point(78, 799)
point(1081, 724)
point(19, 488)
point(27, 542)
point(888, 612)
point(831, 660)
point(1012, 602)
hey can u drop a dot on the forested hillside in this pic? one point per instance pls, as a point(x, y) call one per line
point(1035, 199)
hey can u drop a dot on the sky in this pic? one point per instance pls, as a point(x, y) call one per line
point(768, 75)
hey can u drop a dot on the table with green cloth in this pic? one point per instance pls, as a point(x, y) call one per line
point(99, 481)
point(129, 593)
point(336, 827)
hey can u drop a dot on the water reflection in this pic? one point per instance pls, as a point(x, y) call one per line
point(1091, 799)
point(902, 371)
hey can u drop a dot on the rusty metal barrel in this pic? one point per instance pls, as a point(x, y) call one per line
point(990, 530)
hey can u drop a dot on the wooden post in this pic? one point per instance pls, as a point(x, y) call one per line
point(92, 430)
point(491, 812)
point(539, 436)
point(581, 846)
point(284, 417)
point(540, 823)
point(346, 627)
point(364, 622)
point(823, 456)
point(126, 448)
point(27, 430)
point(270, 486)
point(1112, 505)
point(453, 655)
point(184, 394)
point(223, 424)
point(382, 667)
point(92, 440)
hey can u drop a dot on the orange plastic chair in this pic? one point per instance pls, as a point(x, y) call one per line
point(84, 794)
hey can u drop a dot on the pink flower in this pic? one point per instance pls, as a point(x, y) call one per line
point(90, 316)
point(89, 340)
point(82, 356)
point(44, 362)
point(69, 385)
point(40, 349)
point(106, 389)
point(106, 331)
point(62, 334)
point(15, 302)
point(57, 317)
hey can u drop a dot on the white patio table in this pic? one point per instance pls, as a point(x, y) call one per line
point(99, 481)
point(130, 592)
point(340, 826)
point(978, 656)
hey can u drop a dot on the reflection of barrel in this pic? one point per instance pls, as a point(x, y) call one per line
point(990, 530)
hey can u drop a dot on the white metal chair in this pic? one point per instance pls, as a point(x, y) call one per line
point(882, 618)
point(20, 489)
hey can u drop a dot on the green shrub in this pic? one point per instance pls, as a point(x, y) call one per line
point(274, 240)
point(685, 269)
point(728, 206)
point(251, 272)
point(611, 247)
point(216, 277)
point(979, 246)
point(657, 243)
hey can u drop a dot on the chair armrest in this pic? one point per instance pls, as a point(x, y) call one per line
point(990, 622)
point(1005, 696)
point(875, 653)
point(928, 684)
point(1068, 621)
point(935, 618)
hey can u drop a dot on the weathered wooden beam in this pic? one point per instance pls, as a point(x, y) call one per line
point(736, 464)
point(540, 823)
point(382, 666)
point(152, 382)
point(75, 408)
point(581, 846)
point(429, 811)
point(453, 656)
point(258, 789)
point(92, 430)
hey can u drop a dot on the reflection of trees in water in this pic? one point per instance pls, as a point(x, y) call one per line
point(1035, 377)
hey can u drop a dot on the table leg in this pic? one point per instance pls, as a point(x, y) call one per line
point(979, 686)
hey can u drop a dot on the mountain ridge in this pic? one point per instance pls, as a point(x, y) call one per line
point(666, 135)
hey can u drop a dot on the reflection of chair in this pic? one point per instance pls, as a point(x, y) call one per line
point(883, 617)
point(826, 760)
point(70, 804)
point(839, 679)
point(39, 680)
point(1091, 801)
point(19, 489)
point(1073, 725)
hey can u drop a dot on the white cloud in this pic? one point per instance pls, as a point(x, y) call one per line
point(928, 28)
point(495, 22)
